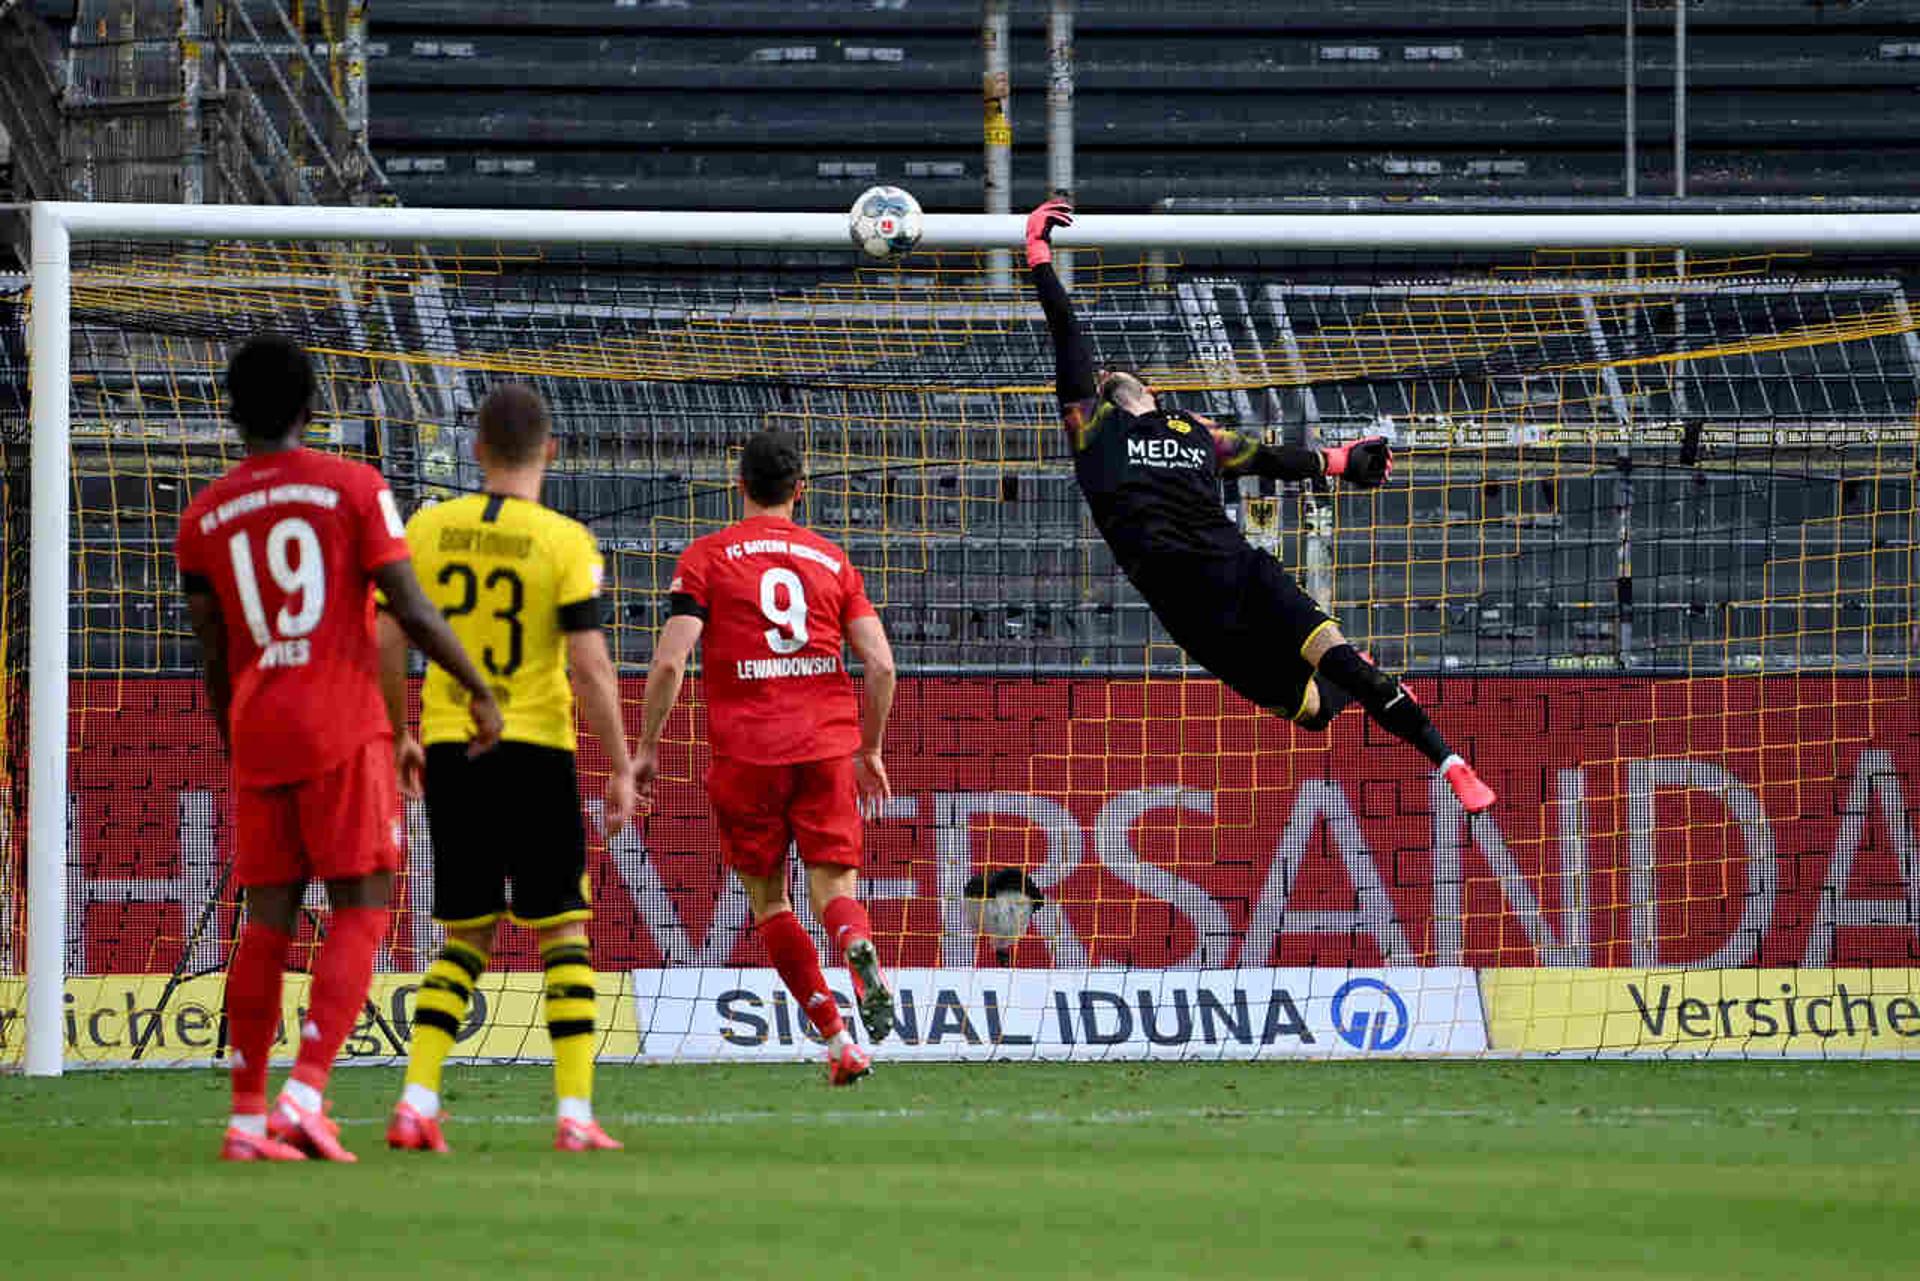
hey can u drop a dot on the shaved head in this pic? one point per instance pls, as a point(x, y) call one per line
point(1125, 389)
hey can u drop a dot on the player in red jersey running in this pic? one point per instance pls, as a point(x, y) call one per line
point(279, 558)
point(794, 759)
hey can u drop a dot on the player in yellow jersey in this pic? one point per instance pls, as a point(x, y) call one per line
point(520, 584)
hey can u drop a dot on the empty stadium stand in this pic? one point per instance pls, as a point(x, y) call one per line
point(728, 103)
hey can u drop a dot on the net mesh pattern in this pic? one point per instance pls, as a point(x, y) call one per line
point(1648, 507)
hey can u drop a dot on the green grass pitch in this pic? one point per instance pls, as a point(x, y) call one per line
point(1496, 1169)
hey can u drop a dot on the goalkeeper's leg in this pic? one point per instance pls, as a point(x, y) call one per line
point(1394, 708)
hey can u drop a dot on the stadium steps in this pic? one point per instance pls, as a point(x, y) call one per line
point(589, 105)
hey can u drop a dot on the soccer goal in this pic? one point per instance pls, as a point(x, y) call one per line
point(1647, 555)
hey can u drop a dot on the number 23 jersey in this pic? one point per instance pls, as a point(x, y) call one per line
point(513, 578)
point(288, 543)
point(777, 599)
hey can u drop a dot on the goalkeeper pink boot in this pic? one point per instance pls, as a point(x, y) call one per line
point(1474, 795)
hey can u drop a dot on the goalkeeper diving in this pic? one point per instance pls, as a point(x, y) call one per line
point(1151, 480)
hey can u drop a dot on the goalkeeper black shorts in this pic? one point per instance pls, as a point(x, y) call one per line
point(508, 814)
point(1245, 620)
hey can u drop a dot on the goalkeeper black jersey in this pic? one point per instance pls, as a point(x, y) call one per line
point(1152, 482)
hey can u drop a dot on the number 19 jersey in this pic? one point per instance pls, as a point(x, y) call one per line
point(777, 599)
point(288, 543)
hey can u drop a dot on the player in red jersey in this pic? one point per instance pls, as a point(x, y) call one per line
point(794, 759)
point(279, 558)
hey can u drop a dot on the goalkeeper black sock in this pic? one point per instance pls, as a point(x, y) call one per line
point(1332, 701)
point(1392, 707)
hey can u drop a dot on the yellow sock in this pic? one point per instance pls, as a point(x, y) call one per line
point(570, 1001)
point(440, 1009)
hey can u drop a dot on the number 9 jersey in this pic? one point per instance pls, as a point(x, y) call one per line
point(776, 599)
point(288, 543)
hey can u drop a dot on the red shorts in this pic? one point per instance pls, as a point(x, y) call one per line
point(333, 826)
point(761, 809)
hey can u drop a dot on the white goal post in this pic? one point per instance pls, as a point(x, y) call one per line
point(57, 227)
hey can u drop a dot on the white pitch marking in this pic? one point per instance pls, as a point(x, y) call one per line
point(1136, 1116)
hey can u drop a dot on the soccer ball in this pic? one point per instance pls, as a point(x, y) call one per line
point(884, 222)
point(1001, 906)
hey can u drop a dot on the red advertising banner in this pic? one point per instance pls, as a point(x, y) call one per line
point(1752, 820)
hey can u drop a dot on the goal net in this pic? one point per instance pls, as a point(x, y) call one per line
point(1647, 556)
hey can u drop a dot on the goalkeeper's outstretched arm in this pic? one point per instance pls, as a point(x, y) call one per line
point(1365, 463)
point(1073, 378)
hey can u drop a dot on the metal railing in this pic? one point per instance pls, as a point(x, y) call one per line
point(228, 102)
point(30, 103)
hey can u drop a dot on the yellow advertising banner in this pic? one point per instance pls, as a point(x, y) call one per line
point(1757, 1013)
point(110, 1018)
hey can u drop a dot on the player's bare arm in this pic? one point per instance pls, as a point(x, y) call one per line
point(597, 685)
point(868, 640)
point(664, 675)
point(409, 758)
point(210, 630)
point(429, 632)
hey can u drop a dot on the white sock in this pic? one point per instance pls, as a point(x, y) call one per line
point(1450, 762)
point(422, 1100)
point(580, 1110)
point(838, 1041)
point(302, 1094)
point(254, 1123)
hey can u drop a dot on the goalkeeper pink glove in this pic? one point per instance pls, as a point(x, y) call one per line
point(1365, 463)
point(1040, 224)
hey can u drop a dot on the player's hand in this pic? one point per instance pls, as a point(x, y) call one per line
point(488, 722)
point(1040, 224)
point(1366, 463)
point(646, 772)
point(410, 762)
point(621, 798)
point(870, 782)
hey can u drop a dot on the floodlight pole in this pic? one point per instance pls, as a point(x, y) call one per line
point(996, 91)
point(1680, 97)
point(355, 105)
point(1060, 114)
point(1633, 121)
point(193, 150)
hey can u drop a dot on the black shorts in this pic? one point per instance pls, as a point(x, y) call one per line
point(511, 814)
point(1246, 620)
